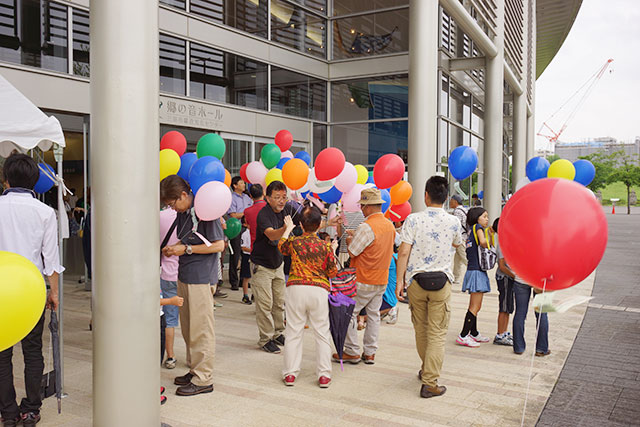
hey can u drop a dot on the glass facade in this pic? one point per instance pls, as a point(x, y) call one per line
point(319, 138)
point(298, 28)
point(298, 95)
point(365, 143)
point(245, 15)
point(369, 99)
point(345, 7)
point(80, 42)
point(173, 68)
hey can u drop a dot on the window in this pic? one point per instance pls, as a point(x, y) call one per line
point(225, 77)
point(298, 95)
point(172, 65)
point(369, 99)
point(298, 28)
point(373, 34)
point(80, 42)
point(34, 33)
point(236, 155)
point(180, 4)
point(319, 138)
point(365, 143)
point(317, 5)
point(246, 15)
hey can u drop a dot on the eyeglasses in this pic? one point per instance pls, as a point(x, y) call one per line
point(279, 198)
point(172, 205)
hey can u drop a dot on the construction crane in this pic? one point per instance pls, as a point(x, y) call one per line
point(581, 95)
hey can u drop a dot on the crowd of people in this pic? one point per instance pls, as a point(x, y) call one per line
point(284, 259)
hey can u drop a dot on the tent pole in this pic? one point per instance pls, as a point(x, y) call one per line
point(62, 215)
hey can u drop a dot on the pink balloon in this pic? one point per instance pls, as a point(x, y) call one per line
point(286, 155)
point(351, 200)
point(347, 178)
point(212, 200)
point(256, 172)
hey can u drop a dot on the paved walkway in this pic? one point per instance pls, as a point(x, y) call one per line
point(600, 382)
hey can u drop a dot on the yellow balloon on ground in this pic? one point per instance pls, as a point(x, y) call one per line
point(169, 163)
point(562, 168)
point(22, 298)
point(363, 174)
point(274, 174)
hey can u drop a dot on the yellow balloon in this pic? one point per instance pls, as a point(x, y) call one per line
point(22, 298)
point(274, 174)
point(363, 174)
point(169, 163)
point(562, 168)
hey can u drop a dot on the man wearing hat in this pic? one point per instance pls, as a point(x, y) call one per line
point(460, 257)
point(371, 249)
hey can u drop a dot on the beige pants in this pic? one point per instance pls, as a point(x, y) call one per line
point(430, 314)
point(197, 324)
point(268, 289)
point(307, 304)
point(459, 264)
point(370, 298)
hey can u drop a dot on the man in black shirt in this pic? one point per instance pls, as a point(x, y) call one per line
point(268, 282)
point(200, 244)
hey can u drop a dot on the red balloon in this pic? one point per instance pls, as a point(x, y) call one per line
point(388, 171)
point(329, 164)
point(554, 230)
point(397, 213)
point(175, 141)
point(243, 172)
point(284, 139)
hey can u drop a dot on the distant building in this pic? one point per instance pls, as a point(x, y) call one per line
point(544, 153)
point(573, 150)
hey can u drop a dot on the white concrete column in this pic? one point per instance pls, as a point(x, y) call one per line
point(423, 95)
point(531, 122)
point(519, 155)
point(493, 127)
point(124, 212)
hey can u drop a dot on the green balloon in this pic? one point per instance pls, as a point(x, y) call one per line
point(234, 227)
point(270, 155)
point(211, 144)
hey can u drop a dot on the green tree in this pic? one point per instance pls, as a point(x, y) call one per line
point(552, 158)
point(604, 165)
point(626, 171)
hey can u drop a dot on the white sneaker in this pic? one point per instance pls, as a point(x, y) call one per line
point(479, 338)
point(467, 341)
point(393, 316)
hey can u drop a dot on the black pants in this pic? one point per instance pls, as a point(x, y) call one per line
point(33, 369)
point(234, 260)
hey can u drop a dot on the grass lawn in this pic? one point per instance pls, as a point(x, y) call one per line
point(617, 190)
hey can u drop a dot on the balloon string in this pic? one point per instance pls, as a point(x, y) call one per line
point(533, 354)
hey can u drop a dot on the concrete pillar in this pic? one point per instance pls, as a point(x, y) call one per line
point(423, 95)
point(519, 157)
point(531, 122)
point(124, 211)
point(493, 128)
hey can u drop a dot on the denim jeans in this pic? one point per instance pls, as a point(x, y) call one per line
point(523, 295)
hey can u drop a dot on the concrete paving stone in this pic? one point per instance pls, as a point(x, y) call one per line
point(627, 383)
point(625, 416)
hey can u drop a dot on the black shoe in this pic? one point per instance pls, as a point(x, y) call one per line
point(279, 340)
point(235, 287)
point(30, 419)
point(253, 298)
point(219, 294)
point(428, 392)
point(220, 282)
point(192, 389)
point(246, 300)
point(183, 380)
point(271, 347)
point(10, 423)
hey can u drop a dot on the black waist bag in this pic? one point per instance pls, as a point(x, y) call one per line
point(431, 280)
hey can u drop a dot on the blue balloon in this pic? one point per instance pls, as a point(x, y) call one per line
point(463, 161)
point(331, 196)
point(537, 168)
point(282, 162)
point(204, 170)
point(585, 171)
point(386, 196)
point(44, 183)
point(370, 180)
point(481, 195)
point(303, 155)
point(186, 161)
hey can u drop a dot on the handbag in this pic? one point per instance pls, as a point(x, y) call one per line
point(487, 257)
point(344, 282)
point(431, 280)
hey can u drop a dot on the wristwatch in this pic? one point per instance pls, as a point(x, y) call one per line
point(188, 250)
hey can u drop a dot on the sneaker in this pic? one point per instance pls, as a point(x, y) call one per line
point(324, 382)
point(271, 347)
point(467, 341)
point(479, 338)
point(246, 300)
point(163, 400)
point(220, 294)
point(393, 316)
point(30, 419)
point(162, 390)
point(368, 360)
point(217, 304)
point(289, 380)
point(503, 340)
point(170, 363)
point(279, 340)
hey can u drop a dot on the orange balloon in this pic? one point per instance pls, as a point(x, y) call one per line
point(401, 192)
point(295, 174)
point(227, 178)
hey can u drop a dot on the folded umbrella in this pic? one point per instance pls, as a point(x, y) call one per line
point(52, 381)
point(340, 312)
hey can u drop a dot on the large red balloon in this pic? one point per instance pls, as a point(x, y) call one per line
point(397, 213)
point(284, 139)
point(243, 172)
point(329, 164)
point(388, 171)
point(175, 141)
point(554, 230)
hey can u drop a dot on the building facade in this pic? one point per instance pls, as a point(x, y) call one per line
point(607, 145)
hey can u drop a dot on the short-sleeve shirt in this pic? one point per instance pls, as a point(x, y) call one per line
point(264, 251)
point(169, 265)
point(431, 234)
point(473, 262)
point(197, 268)
point(251, 217)
point(239, 202)
point(245, 240)
point(312, 260)
point(461, 213)
point(500, 255)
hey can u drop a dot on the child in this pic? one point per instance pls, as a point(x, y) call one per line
point(475, 280)
point(245, 267)
point(173, 301)
point(504, 277)
point(312, 264)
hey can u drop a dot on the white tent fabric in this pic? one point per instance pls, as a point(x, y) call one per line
point(22, 125)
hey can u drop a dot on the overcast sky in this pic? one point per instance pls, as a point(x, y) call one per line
point(603, 29)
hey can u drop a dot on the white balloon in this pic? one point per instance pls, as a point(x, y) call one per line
point(286, 155)
point(523, 181)
point(316, 186)
point(256, 172)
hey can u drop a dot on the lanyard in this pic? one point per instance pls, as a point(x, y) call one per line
point(19, 190)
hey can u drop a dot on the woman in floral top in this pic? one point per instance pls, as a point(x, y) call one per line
point(312, 264)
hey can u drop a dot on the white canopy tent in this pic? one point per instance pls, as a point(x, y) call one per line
point(24, 127)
